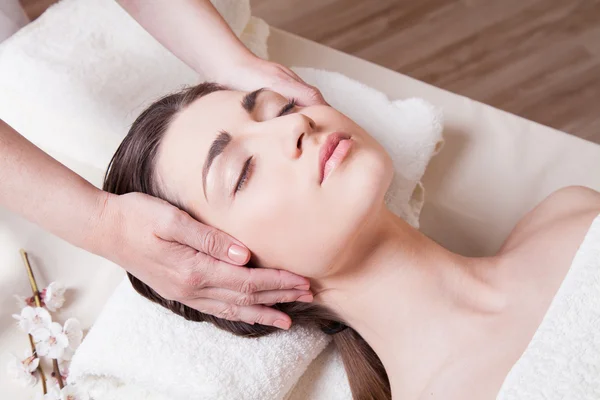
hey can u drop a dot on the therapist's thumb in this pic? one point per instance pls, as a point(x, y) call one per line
point(209, 240)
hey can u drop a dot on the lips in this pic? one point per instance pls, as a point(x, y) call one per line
point(332, 153)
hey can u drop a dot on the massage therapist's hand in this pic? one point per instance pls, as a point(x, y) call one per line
point(251, 73)
point(195, 32)
point(186, 261)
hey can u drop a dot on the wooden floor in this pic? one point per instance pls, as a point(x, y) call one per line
point(536, 58)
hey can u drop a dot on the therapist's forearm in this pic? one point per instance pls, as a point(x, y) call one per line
point(193, 30)
point(44, 191)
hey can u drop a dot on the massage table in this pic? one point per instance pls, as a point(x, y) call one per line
point(494, 168)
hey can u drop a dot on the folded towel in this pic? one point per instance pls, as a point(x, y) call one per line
point(562, 361)
point(324, 379)
point(74, 80)
point(137, 348)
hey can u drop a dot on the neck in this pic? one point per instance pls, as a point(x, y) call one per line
point(409, 298)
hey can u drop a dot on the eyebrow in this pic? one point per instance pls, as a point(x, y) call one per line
point(217, 147)
point(249, 100)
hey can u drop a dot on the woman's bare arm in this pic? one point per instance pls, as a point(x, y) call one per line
point(194, 31)
point(44, 191)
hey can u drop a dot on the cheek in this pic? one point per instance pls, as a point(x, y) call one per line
point(304, 228)
point(277, 225)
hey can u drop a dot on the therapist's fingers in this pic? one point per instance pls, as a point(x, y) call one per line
point(249, 299)
point(248, 314)
point(182, 228)
point(292, 74)
point(305, 94)
point(252, 280)
point(291, 85)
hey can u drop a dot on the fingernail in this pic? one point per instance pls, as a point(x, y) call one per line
point(302, 287)
point(307, 298)
point(237, 254)
point(281, 324)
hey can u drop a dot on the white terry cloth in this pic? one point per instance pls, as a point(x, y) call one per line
point(140, 350)
point(75, 79)
point(562, 361)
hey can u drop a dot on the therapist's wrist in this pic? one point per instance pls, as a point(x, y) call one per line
point(98, 234)
point(224, 69)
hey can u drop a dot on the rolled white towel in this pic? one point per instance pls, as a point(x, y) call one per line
point(139, 350)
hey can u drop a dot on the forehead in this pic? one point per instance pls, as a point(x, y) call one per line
point(185, 144)
point(205, 116)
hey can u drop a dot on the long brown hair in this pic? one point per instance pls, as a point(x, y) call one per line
point(132, 170)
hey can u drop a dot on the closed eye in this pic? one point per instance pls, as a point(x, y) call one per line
point(244, 175)
point(249, 164)
point(288, 107)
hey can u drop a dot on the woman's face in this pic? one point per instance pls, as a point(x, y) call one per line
point(236, 162)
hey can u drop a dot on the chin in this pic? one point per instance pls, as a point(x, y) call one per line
point(367, 177)
point(361, 191)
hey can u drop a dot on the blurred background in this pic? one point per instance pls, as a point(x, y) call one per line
point(539, 59)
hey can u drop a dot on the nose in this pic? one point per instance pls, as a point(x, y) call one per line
point(299, 129)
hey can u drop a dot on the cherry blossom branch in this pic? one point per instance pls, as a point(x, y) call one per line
point(38, 303)
point(39, 368)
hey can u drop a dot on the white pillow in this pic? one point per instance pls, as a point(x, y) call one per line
point(74, 80)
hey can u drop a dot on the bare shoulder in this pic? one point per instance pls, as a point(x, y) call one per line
point(578, 193)
point(569, 211)
point(568, 201)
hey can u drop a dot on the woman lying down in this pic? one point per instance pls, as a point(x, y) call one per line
point(303, 188)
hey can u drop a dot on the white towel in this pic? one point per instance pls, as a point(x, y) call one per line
point(75, 79)
point(137, 348)
point(85, 80)
point(562, 361)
